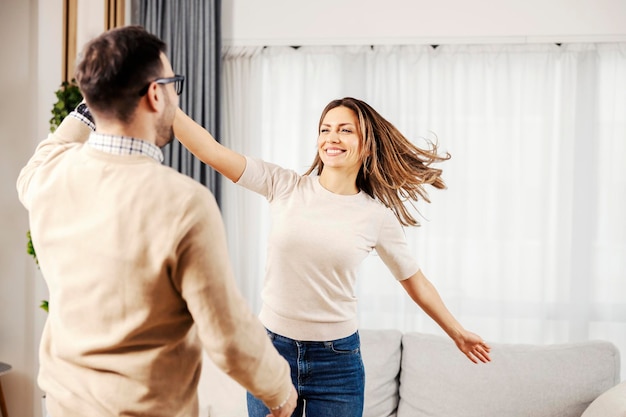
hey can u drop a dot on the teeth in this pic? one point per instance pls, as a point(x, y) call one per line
point(333, 151)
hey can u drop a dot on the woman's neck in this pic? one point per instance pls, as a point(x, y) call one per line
point(338, 183)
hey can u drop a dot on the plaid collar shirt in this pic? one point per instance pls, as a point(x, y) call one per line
point(118, 145)
point(122, 145)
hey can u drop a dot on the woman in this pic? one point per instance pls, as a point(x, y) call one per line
point(324, 223)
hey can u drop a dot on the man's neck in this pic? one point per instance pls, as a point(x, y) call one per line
point(137, 129)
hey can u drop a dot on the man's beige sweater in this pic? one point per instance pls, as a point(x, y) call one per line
point(134, 256)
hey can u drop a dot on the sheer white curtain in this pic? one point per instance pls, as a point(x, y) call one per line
point(528, 243)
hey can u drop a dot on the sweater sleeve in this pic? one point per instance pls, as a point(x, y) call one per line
point(232, 336)
point(70, 132)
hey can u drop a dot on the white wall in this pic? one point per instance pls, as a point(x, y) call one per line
point(90, 21)
point(30, 39)
point(288, 22)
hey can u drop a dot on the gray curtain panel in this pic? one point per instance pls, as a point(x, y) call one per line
point(191, 29)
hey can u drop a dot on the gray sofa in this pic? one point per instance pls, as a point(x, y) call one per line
point(422, 375)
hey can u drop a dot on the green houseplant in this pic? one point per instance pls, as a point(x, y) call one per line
point(30, 249)
point(68, 97)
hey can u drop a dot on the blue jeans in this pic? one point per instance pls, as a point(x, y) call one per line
point(328, 376)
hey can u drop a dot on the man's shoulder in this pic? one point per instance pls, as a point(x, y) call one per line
point(174, 177)
point(181, 184)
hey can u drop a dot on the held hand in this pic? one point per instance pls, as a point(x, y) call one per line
point(473, 347)
point(287, 409)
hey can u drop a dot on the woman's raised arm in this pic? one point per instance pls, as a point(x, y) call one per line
point(204, 146)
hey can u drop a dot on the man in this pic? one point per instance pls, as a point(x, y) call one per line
point(134, 253)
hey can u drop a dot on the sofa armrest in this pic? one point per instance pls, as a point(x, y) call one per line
point(612, 403)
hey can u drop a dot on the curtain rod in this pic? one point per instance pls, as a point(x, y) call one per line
point(426, 41)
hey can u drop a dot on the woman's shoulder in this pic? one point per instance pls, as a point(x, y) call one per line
point(376, 204)
point(268, 179)
point(386, 214)
point(259, 166)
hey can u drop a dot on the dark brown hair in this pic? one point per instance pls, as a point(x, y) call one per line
point(393, 169)
point(115, 66)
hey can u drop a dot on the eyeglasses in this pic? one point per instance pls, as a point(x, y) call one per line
point(178, 80)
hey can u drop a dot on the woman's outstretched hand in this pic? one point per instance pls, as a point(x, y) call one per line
point(474, 347)
point(422, 291)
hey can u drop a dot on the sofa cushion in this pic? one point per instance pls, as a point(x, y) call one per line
point(381, 351)
point(610, 404)
point(437, 380)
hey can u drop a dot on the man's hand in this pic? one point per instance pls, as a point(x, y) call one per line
point(286, 409)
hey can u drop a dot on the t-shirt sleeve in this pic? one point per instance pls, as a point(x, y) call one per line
point(393, 249)
point(267, 179)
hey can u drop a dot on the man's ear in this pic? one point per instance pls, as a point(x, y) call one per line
point(154, 97)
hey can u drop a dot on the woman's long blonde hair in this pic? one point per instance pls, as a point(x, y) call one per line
point(393, 169)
